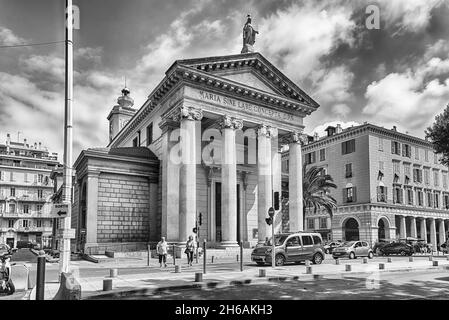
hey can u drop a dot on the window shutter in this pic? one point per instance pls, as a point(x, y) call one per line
point(386, 194)
point(343, 149)
point(403, 150)
point(399, 148)
point(392, 146)
point(353, 145)
point(345, 199)
point(354, 194)
point(378, 194)
point(401, 196)
point(395, 198)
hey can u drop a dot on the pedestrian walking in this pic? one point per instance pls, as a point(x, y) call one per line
point(190, 249)
point(162, 252)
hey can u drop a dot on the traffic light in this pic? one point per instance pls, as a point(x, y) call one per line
point(195, 230)
point(200, 219)
point(269, 220)
point(276, 200)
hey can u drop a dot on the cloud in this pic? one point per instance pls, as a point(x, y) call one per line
point(341, 109)
point(8, 38)
point(333, 85)
point(412, 97)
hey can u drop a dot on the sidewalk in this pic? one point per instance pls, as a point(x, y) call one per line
point(149, 283)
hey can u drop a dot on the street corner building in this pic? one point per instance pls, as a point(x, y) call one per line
point(26, 191)
point(390, 185)
point(204, 151)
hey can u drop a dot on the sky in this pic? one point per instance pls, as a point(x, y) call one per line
point(395, 75)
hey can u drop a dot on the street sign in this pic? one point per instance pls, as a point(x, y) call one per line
point(271, 212)
point(60, 210)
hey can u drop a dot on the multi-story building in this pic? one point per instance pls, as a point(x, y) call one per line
point(25, 192)
point(389, 185)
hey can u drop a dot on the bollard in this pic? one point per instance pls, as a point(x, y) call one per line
point(410, 259)
point(430, 258)
point(198, 277)
point(178, 268)
point(365, 260)
point(40, 278)
point(107, 284)
point(389, 260)
point(113, 273)
point(212, 259)
point(435, 263)
point(308, 270)
point(149, 255)
point(262, 273)
point(241, 255)
point(348, 267)
point(381, 266)
point(307, 263)
point(204, 256)
point(337, 262)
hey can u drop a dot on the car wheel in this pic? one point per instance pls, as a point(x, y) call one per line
point(317, 258)
point(370, 255)
point(352, 255)
point(402, 253)
point(279, 260)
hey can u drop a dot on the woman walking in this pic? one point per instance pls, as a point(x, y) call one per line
point(190, 249)
point(162, 252)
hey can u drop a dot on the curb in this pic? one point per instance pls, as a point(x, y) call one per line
point(116, 293)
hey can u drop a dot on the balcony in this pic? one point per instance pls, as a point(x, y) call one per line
point(23, 215)
point(34, 229)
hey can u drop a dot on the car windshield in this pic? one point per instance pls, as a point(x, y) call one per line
point(278, 240)
point(347, 243)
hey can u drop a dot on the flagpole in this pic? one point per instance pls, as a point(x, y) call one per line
point(64, 259)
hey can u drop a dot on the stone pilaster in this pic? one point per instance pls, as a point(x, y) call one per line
point(92, 208)
point(423, 231)
point(413, 231)
point(442, 232)
point(229, 181)
point(402, 227)
point(433, 234)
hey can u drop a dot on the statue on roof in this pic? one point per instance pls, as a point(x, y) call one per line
point(249, 36)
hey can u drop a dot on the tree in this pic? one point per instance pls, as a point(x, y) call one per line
point(315, 191)
point(438, 134)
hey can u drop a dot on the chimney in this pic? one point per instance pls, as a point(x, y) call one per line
point(40, 146)
point(25, 142)
point(394, 128)
point(338, 129)
point(35, 145)
point(316, 137)
point(8, 142)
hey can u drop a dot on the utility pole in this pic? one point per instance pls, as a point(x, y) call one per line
point(67, 232)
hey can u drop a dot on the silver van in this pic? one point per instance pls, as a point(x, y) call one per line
point(291, 247)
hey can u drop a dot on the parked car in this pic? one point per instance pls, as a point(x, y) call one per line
point(397, 248)
point(329, 247)
point(443, 247)
point(4, 249)
point(353, 250)
point(377, 248)
point(291, 247)
point(24, 244)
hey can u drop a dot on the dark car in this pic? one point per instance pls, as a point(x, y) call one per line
point(24, 244)
point(401, 248)
point(377, 248)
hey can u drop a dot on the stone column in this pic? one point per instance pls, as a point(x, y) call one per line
point(92, 208)
point(295, 208)
point(187, 192)
point(413, 231)
point(276, 164)
point(442, 231)
point(423, 231)
point(264, 197)
point(229, 181)
point(170, 180)
point(433, 234)
point(402, 227)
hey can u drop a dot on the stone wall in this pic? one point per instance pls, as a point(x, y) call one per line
point(123, 209)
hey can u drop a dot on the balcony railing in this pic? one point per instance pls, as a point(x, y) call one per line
point(34, 229)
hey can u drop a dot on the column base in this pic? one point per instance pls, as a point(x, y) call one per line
point(228, 244)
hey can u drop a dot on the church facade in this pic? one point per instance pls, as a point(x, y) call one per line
point(203, 154)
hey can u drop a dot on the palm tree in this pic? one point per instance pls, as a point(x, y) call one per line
point(315, 190)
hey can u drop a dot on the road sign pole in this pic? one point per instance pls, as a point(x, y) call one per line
point(273, 253)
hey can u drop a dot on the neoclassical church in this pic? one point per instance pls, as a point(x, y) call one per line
point(201, 157)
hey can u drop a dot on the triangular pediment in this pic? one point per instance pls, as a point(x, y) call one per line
point(251, 70)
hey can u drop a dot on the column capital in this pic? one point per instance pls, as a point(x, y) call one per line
point(295, 137)
point(230, 123)
point(266, 130)
point(189, 113)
